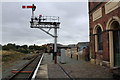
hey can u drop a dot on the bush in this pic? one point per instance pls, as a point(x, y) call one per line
point(11, 56)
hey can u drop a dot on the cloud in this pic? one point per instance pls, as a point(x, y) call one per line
point(16, 26)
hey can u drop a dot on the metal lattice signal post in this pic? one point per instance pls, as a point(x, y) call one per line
point(50, 22)
point(43, 23)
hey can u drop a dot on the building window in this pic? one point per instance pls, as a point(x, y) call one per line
point(99, 39)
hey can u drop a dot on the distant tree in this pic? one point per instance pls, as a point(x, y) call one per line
point(0, 47)
point(31, 47)
point(24, 46)
point(18, 47)
point(36, 47)
point(24, 51)
point(5, 47)
point(9, 46)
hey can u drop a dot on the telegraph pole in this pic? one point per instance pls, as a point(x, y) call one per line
point(43, 23)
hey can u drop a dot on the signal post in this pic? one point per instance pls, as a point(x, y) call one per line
point(46, 23)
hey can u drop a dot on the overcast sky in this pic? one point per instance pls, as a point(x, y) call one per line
point(73, 17)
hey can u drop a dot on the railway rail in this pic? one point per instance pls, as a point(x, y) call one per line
point(65, 72)
point(27, 72)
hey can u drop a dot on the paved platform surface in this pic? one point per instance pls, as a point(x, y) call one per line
point(75, 68)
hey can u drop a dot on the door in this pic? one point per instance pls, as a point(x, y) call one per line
point(116, 45)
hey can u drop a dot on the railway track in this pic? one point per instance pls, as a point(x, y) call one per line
point(27, 72)
point(65, 72)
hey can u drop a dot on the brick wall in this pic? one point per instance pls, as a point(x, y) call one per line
point(103, 21)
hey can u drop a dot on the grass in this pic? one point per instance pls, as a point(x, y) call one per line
point(12, 56)
point(8, 56)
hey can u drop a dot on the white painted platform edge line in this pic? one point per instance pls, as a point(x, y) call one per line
point(34, 75)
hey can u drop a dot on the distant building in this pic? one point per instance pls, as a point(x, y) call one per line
point(104, 22)
point(83, 49)
point(81, 45)
point(51, 46)
point(75, 50)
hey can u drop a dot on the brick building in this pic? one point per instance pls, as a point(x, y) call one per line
point(104, 22)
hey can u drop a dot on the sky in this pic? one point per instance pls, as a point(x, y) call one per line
point(74, 22)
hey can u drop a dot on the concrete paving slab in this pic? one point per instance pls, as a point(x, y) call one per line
point(75, 68)
point(55, 72)
point(43, 71)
